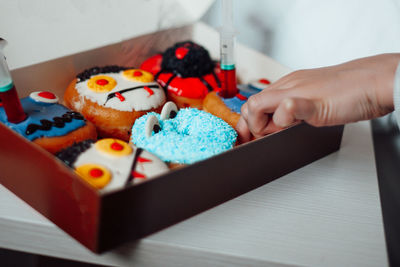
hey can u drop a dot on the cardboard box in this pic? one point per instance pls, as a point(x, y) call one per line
point(103, 221)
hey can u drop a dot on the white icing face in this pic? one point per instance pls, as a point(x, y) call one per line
point(108, 163)
point(127, 90)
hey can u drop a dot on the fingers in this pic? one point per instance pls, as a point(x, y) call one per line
point(243, 131)
point(258, 109)
point(294, 109)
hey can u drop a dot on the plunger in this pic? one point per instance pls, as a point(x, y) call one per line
point(8, 93)
point(227, 50)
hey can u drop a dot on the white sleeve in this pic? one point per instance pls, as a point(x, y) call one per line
point(396, 95)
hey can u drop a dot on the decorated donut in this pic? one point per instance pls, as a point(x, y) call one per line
point(113, 97)
point(186, 72)
point(259, 84)
point(182, 137)
point(228, 109)
point(111, 164)
point(49, 124)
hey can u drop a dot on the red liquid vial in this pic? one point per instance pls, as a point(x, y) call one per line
point(228, 83)
point(12, 106)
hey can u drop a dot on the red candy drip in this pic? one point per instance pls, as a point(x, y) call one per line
point(47, 95)
point(116, 146)
point(120, 97)
point(264, 81)
point(241, 97)
point(143, 160)
point(137, 73)
point(12, 106)
point(148, 89)
point(181, 52)
point(136, 174)
point(96, 173)
point(102, 82)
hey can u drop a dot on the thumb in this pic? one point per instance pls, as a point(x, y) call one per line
point(292, 109)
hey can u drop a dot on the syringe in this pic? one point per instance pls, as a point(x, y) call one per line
point(227, 46)
point(8, 94)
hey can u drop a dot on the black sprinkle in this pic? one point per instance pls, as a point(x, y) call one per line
point(196, 63)
point(86, 74)
point(70, 154)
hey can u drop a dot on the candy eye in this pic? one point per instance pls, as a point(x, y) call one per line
point(169, 111)
point(138, 75)
point(96, 175)
point(44, 97)
point(101, 83)
point(152, 125)
point(113, 147)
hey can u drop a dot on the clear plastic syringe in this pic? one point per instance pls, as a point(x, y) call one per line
point(8, 94)
point(227, 46)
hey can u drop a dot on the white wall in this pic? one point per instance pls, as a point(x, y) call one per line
point(312, 33)
point(38, 30)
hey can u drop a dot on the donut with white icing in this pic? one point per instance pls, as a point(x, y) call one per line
point(49, 124)
point(113, 97)
point(187, 72)
point(182, 136)
point(111, 164)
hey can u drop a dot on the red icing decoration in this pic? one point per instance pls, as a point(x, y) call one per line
point(136, 174)
point(137, 73)
point(116, 146)
point(181, 52)
point(140, 159)
point(152, 64)
point(148, 89)
point(47, 95)
point(95, 173)
point(102, 82)
point(190, 87)
point(264, 81)
point(120, 97)
point(241, 97)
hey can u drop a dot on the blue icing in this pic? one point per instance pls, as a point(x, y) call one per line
point(191, 136)
point(234, 103)
point(37, 111)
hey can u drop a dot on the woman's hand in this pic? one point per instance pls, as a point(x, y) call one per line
point(357, 90)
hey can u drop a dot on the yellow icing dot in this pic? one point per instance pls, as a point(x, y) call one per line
point(96, 175)
point(113, 147)
point(138, 75)
point(101, 83)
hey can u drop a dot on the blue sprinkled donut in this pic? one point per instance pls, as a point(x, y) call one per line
point(185, 136)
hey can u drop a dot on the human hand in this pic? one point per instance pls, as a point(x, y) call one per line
point(357, 90)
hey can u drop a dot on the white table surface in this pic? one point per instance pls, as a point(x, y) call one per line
point(325, 214)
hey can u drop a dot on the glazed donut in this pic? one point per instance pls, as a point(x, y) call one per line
point(228, 109)
point(111, 164)
point(113, 97)
point(186, 72)
point(182, 137)
point(49, 124)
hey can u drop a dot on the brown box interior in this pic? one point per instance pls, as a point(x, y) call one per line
point(101, 222)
